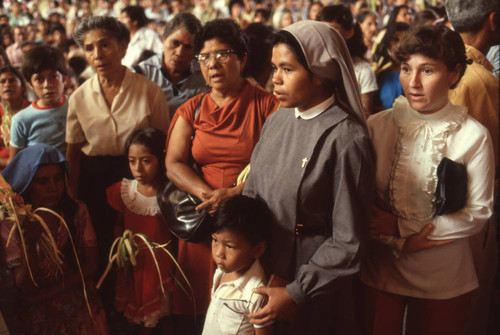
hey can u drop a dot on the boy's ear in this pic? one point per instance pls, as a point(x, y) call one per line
point(259, 249)
point(29, 85)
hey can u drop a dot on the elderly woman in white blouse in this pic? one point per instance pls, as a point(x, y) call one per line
point(102, 114)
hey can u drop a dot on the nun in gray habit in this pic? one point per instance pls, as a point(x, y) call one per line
point(314, 166)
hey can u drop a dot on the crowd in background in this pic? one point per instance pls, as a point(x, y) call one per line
point(152, 68)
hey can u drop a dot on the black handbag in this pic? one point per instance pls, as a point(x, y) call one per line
point(177, 207)
point(451, 189)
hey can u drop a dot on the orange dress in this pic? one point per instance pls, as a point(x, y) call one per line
point(223, 143)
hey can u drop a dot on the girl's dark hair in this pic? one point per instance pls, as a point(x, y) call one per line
point(356, 46)
point(364, 14)
point(14, 71)
point(43, 57)
point(260, 48)
point(395, 13)
point(225, 30)
point(287, 38)
point(154, 140)
point(247, 216)
point(383, 49)
point(436, 42)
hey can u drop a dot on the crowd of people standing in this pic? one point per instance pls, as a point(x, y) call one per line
point(335, 117)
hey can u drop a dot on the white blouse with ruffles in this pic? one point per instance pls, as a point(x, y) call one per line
point(409, 146)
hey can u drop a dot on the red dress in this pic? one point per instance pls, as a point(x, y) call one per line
point(138, 293)
point(223, 143)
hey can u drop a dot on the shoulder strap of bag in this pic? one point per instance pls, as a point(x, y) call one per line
point(197, 111)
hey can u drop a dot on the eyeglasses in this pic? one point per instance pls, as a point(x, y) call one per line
point(221, 56)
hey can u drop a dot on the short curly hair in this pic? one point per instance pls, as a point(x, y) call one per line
point(436, 42)
point(225, 30)
point(106, 23)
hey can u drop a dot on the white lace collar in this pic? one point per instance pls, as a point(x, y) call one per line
point(135, 201)
point(421, 147)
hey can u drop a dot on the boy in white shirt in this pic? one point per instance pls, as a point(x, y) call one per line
point(238, 241)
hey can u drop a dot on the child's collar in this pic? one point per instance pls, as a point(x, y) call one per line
point(63, 101)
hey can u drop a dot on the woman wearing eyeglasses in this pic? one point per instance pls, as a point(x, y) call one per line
point(228, 126)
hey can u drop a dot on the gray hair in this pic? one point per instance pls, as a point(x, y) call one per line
point(467, 16)
point(106, 23)
point(184, 20)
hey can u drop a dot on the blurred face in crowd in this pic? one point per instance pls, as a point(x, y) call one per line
point(286, 19)
point(7, 40)
point(369, 27)
point(10, 87)
point(236, 10)
point(178, 51)
point(127, 21)
point(176, 6)
point(30, 32)
point(203, 4)
point(259, 18)
point(426, 82)
point(403, 16)
point(19, 35)
point(315, 9)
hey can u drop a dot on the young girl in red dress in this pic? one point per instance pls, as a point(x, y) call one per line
point(138, 293)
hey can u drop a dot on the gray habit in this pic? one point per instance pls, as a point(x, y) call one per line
point(318, 173)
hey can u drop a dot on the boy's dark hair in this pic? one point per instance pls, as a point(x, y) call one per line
point(40, 58)
point(247, 216)
point(264, 12)
point(136, 13)
point(78, 64)
point(436, 42)
point(154, 140)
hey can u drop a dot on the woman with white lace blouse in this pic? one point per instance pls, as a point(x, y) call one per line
point(418, 259)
